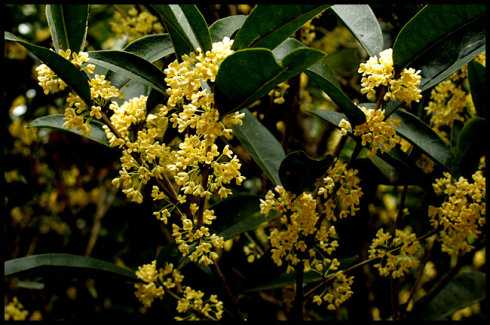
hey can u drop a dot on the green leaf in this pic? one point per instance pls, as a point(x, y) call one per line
point(422, 136)
point(470, 146)
point(76, 79)
point(17, 265)
point(286, 47)
point(329, 116)
point(151, 47)
point(268, 25)
point(344, 62)
point(478, 85)
point(321, 75)
point(238, 214)
point(68, 25)
point(439, 39)
point(56, 121)
point(362, 22)
point(130, 65)
point(258, 72)
point(186, 27)
point(264, 148)
point(298, 172)
point(466, 289)
point(226, 27)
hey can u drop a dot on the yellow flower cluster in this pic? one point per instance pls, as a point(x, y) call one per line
point(101, 92)
point(186, 170)
point(252, 252)
point(134, 24)
point(205, 244)
point(398, 255)
point(155, 282)
point(378, 134)
point(461, 216)
point(377, 72)
point(338, 293)
point(277, 94)
point(194, 307)
point(304, 233)
point(15, 311)
point(307, 33)
point(50, 82)
point(297, 222)
point(341, 192)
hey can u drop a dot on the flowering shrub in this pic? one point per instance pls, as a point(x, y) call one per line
point(285, 162)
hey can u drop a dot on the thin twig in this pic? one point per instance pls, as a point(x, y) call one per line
point(299, 299)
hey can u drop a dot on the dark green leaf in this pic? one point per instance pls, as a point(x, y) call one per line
point(237, 215)
point(439, 39)
point(478, 85)
point(151, 47)
point(321, 75)
point(258, 72)
point(471, 146)
point(226, 27)
point(68, 25)
point(154, 98)
point(329, 116)
point(264, 148)
point(344, 62)
point(63, 68)
point(27, 263)
point(422, 136)
point(298, 172)
point(466, 289)
point(186, 27)
point(286, 47)
point(362, 22)
point(268, 25)
point(56, 121)
point(130, 65)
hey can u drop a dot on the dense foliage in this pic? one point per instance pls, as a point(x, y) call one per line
point(237, 162)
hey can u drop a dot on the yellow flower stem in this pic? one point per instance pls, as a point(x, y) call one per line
point(202, 203)
point(164, 183)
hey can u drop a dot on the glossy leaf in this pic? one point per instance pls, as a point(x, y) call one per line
point(76, 79)
point(321, 75)
point(440, 39)
point(258, 72)
point(264, 148)
point(186, 26)
point(470, 146)
point(68, 25)
point(237, 215)
point(22, 264)
point(226, 27)
point(329, 116)
point(151, 47)
point(131, 65)
point(268, 25)
point(298, 172)
point(478, 85)
point(421, 135)
point(56, 121)
point(362, 22)
point(466, 289)
point(286, 47)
